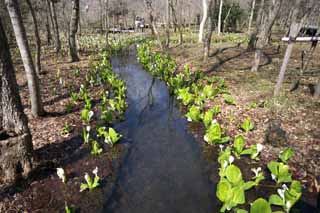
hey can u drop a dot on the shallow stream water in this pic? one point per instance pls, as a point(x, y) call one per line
point(163, 170)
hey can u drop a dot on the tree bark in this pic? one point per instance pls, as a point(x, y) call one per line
point(154, 30)
point(175, 21)
point(21, 37)
point(207, 43)
point(48, 32)
point(253, 35)
point(168, 3)
point(107, 22)
point(15, 142)
point(220, 17)
point(264, 30)
point(37, 37)
point(294, 31)
point(73, 31)
point(204, 20)
point(55, 26)
point(251, 16)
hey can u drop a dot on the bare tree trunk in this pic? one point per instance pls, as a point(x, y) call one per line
point(226, 19)
point(149, 8)
point(175, 21)
point(15, 143)
point(264, 30)
point(253, 35)
point(251, 15)
point(204, 20)
point(220, 17)
point(107, 22)
point(48, 32)
point(73, 31)
point(317, 90)
point(21, 37)
point(294, 31)
point(55, 26)
point(168, 2)
point(38, 40)
point(207, 42)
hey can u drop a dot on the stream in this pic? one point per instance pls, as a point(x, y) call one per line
point(163, 170)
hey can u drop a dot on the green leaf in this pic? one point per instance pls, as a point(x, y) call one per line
point(233, 174)
point(214, 134)
point(194, 114)
point(223, 190)
point(114, 136)
point(284, 174)
point(296, 186)
point(248, 185)
point(260, 206)
point(238, 144)
point(247, 125)
point(83, 187)
point(273, 167)
point(238, 195)
point(207, 118)
point(286, 154)
point(276, 200)
point(229, 99)
point(241, 211)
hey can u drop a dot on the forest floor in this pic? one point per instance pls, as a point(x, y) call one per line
point(57, 142)
point(291, 120)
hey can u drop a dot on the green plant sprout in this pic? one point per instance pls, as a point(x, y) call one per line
point(67, 128)
point(86, 134)
point(260, 206)
point(194, 114)
point(90, 183)
point(185, 96)
point(74, 97)
point(86, 115)
point(287, 197)
point(69, 107)
point(231, 188)
point(279, 172)
point(247, 125)
point(286, 154)
point(111, 137)
point(214, 134)
point(253, 151)
point(229, 99)
point(96, 150)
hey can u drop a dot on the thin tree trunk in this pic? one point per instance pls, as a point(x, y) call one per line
point(207, 42)
point(48, 32)
point(50, 15)
point(253, 35)
point(15, 150)
point(168, 2)
point(251, 15)
point(107, 22)
point(154, 30)
point(38, 40)
point(264, 30)
point(55, 26)
point(21, 37)
point(220, 17)
point(226, 19)
point(294, 31)
point(73, 31)
point(175, 21)
point(204, 20)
